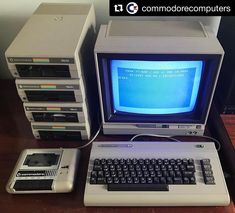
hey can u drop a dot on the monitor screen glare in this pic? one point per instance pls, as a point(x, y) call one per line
point(155, 87)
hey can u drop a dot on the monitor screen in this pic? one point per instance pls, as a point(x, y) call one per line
point(155, 87)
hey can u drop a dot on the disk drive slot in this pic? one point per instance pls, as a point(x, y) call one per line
point(55, 117)
point(53, 96)
point(60, 135)
point(43, 70)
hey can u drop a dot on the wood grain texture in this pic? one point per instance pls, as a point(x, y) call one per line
point(229, 123)
point(16, 135)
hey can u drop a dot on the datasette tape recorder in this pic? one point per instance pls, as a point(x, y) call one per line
point(44, 171)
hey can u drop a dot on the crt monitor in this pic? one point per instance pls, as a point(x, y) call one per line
point(156, 84)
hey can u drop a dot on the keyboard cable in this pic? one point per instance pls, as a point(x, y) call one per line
point(174, 139)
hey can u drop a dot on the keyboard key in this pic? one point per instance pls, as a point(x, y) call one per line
point(146, 161)
point(103, 161)
point(105, 167)
point(169, 180)
point(122, 161)
point(138, 187)
point(141, 161)
point(191, 161)
point(153, 161)
point(129, 180)
point(188, 173)
point(149, 180)
point(208, 173)
point(177, 180)
point(109, 161)
point(96, 162)
point(192, 180)
point(97, 167)
point(119, 174)
point(190, 167)
point(94, 174)
point(162, 180)
point(115, 161)
point(159, 161)
point(122, 180)
point(206, 167)
point(205, 161)
point(109, 180)
point(136, 180)
point(101, 180)
point(106, 173)
point(142, 180)
point(134, 161)
point(128, 161)
point(93, 180)
point(172, 161)
point(165, 161)
point(156, 180)
point(186, 180)
point(100, 174)
point(116, 180)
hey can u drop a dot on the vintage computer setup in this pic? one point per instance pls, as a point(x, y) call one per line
point(155, 78)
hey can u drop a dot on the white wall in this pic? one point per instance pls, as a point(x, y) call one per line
point(14, 13)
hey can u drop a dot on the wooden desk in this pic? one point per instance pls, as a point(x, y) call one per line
point(229, 123)
point(15, 135)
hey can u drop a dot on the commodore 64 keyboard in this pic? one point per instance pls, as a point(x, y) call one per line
point(155, 174)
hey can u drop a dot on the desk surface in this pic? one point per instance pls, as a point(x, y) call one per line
point(16, 135)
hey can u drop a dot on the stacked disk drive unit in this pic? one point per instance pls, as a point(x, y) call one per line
point(52, 61)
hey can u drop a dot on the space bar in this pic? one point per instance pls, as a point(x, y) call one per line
point(138, 187)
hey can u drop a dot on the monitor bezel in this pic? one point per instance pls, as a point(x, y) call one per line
point(210, 70)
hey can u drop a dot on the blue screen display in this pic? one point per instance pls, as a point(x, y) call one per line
point(155, 87)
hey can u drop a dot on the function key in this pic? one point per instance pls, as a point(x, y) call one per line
point(205, 161)
point(209, 180)
point(208, 173)
point(206, 167)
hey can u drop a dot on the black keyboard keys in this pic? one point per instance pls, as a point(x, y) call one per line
point(158, 173)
